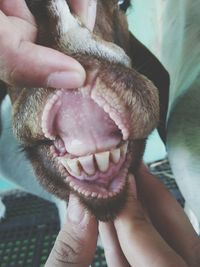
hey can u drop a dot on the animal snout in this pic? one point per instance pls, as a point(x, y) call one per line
point(84, 140)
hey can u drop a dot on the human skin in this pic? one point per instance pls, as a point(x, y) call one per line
point(162, 238)
point(153, 230)
point(24, 63)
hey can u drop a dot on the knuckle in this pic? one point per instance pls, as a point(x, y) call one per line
point(64, 252)
point(67, 250)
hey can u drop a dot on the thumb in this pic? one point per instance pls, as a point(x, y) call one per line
point(76, 242)
point(34, 65)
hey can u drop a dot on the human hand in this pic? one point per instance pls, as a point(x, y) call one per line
point(162, 238)
point(76, 242)
point(24, 63)
point(156, 235)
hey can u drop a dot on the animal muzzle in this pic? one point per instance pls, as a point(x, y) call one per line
point(84, 140)
point(89, 130)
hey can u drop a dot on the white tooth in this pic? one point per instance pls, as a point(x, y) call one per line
point(124, 149)
point(76, 188)
point(71, 165)
point(72, 184)
point(79, 190)
point(87, 194)
point(94, 195)
point(115, 155)
point(67, 179)
point(87, 164)
point(111, 194)
point(102, 160)
point(100, 196)
point(74, 166)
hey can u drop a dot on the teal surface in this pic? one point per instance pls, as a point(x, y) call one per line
point(155, 149)
point(5, 185)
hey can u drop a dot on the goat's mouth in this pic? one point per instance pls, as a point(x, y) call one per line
point(89, 141)
point(100, 175)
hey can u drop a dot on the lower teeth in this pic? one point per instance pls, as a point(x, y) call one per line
point(87, 166)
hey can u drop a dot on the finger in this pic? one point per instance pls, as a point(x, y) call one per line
point(23, 63)
point(113, 253)
point(34, 65)
point(76, 242)
point(168, 217)
point(85, 10)
point(140, 242)
point(17, 8)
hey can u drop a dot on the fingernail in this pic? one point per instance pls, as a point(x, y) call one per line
point(76, 212)
point(66, 80)
point(91, 14)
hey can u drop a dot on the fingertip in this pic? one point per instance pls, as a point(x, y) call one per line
point(65, 80)
point(66, 72)
point(78, 215)
point(132, 210)
point(76, 241)
point(73, 64)
point(85, 10)
point(38, 66)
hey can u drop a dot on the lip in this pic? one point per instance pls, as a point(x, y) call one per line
point(116, 111)
point(94, 190)
point(96, 166)
point(103, 185)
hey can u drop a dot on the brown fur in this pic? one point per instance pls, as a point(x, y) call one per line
point(127, 85)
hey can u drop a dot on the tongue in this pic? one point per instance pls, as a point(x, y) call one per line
point(84, 127)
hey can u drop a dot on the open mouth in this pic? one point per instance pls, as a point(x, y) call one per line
point(89, 141)
point(99, 175)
